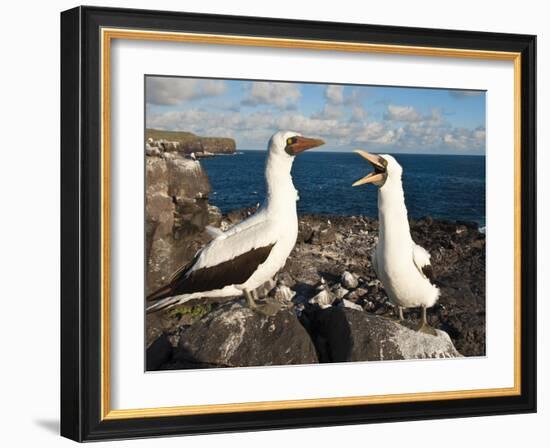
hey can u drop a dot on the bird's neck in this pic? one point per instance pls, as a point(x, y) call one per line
point(281, 194)
point(392, 215)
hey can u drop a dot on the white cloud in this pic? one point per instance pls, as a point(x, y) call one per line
point(338, 105)
point(343, 122)
point(254, 129)
point(479, 134)
point(424, 133)
point(402, 113)
point(378, 133)
point(330, 111)
point(309, 125)
point(358, 113)
point(465, 139)
point(205, 122)
point(334, 94)
point(279, 94)
point(174, 91)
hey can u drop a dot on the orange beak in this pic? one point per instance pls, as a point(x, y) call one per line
point(302, 144)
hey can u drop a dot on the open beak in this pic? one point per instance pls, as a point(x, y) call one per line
point(302, 143)
point(378, 163)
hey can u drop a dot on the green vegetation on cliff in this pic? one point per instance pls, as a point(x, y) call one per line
point(173, 136)
point(194, 143)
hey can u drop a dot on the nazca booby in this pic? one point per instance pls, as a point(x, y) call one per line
point(248, 254)
point(402, 266)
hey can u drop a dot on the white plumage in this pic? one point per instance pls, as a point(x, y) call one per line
point(402, 266)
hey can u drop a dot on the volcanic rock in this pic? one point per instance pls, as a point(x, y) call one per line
point(236, 336)
point(349, 280)
point(282, 293)
point(345, 334)
point(324, 299)
point(339, 291)
point(356, 294)
point(458, 261)
point(324, 233)
point(348, 304)
point(158, 353)
point(176, 213)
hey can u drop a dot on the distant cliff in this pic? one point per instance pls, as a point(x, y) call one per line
point(187, 142)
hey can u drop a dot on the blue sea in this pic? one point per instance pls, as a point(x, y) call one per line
point(442, 186)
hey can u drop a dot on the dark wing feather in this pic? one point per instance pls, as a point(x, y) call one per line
point(429, 273)
point(167, 290)
point(231, 272)
point(421, 258)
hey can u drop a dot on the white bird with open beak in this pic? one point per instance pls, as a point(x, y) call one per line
point(402, 266)
point(249, 254)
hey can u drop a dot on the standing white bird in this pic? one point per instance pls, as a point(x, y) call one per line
point(247, 255)
point(402, 266)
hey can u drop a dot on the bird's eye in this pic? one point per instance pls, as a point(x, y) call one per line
point(291, 140)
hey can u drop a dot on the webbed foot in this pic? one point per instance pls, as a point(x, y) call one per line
point(268, 308)
point(424, 326)
point(427, 329)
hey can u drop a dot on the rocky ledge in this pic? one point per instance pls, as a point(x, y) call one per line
point(158, 141)
point(332, 307)
point(177, 211)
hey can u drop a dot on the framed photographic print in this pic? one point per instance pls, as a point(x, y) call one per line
point(274, 223)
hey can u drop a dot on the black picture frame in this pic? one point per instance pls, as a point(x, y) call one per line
point(81, 224)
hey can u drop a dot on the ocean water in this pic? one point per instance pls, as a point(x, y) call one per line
point(442, 186)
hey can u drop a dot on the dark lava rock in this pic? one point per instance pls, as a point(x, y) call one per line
point(343, 334)
point(323, 234)
point(176, 212)
point(235, 336)
point(158, 353)
point(305, 233)
point(356, 294)
point(458, 260)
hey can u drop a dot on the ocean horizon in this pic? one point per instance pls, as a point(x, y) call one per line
point(450, 187)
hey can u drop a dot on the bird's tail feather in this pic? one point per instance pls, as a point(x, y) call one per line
point(166, 302)
point(161, 293)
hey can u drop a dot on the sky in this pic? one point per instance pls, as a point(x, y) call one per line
point(347, 117)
